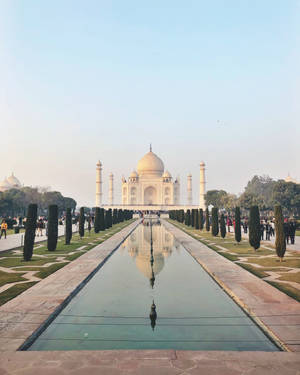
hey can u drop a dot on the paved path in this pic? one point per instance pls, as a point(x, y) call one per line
point(149, 362)
point(272, 310)
point(16, 240)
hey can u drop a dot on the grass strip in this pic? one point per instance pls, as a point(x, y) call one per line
point(15, 291)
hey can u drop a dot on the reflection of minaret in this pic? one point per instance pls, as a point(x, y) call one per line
point(111, 189)
point(98, 184)
point(153, 315)
point(189, 190)
point(202, 186)
point(152, 279)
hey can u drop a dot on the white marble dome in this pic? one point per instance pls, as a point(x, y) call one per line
point(133, 174)
point(167, 174)
point(151, 165)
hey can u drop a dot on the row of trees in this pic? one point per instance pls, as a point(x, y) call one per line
point(14, 202)
point(104, 219)
point(261, 191)
point(196, 219)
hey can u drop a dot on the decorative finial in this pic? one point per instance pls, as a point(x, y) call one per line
point(150, 147)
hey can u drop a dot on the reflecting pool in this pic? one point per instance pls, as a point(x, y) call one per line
point(152, 294)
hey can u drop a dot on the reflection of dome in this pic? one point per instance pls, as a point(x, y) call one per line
point(143, 264)
point(12, 180)
point(150, 164)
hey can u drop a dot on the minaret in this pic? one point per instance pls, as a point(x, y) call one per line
point(98, 184)
point(202, 186)
point(189, 190)
point(111, 189)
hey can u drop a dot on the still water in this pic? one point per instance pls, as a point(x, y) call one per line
point(152, 294)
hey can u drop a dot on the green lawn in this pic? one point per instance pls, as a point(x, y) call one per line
point(42, 256)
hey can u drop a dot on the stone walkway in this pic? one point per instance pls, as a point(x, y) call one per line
point(149, 362)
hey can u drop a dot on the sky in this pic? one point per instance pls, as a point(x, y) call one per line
point(216, 80)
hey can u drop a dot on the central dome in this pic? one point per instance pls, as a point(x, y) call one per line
point(150, 164)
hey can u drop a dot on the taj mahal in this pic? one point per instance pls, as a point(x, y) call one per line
point(150, 187)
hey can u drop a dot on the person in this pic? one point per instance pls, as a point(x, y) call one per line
point(272, 229)
point(268, 231)
point(286, 229)
point(262, 229)
point(40, 227)
point(245, 226)
point(3, 229)
point(228, 223)
point(292, 231)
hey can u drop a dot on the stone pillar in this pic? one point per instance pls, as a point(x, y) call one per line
point(98, 184)
point(189, 190)
point(202, 186)
point(111, 189)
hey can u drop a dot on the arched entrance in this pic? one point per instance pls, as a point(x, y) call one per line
point(150, 196)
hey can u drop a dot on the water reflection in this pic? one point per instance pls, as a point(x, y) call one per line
point(153, 315)
point(150, 247)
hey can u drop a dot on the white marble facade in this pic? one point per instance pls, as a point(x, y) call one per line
point(150, 184)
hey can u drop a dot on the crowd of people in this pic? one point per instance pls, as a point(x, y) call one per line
point(267, 228)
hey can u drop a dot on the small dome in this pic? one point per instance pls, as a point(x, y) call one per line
point(150, 164)
point(167, 174)
point(12, 180)
point(5, 185)
point(133, 174)
point(98, 163)
point(202, 164)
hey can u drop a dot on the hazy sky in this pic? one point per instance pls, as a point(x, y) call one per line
point(215, 80)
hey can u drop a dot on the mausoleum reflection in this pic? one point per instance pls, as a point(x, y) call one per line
point(150, 260)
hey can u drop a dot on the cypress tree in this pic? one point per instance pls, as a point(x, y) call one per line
point(89, 225)
point(201, 219)
point(188, 218)
point(115, 216)
point(222, 226)
point(81, 222)
point(196, 219)
point(207, 225)
point(68, 236)
point(97, 220)
point(52, 227)
point(120, 216)
point(102, 219)
point(237, 229)
point(193, 217)
point(214, 221)
point(254, 227)
point(280, 243)
point(30, 228)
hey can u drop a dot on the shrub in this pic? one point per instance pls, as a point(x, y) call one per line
point(214, 221)
point(237, 229)
point(68, 236)
point(52, 227)
point(280, 243)
point(222, 226)
point(30, 228)
point(254, 228)
point(102, 219)
point(81, 222)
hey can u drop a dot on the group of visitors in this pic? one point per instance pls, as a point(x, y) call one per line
point(267, 228)
point(289, 227)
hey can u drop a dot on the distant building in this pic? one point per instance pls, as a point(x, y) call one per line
point(10, 183)
point(290, 179)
